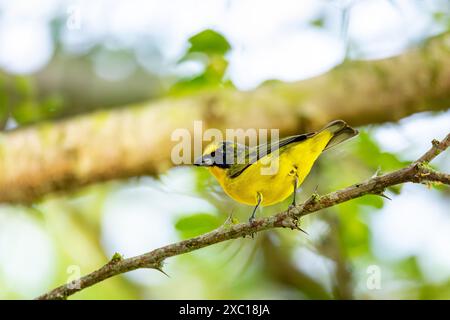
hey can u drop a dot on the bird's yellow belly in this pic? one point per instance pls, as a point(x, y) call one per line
point(294, 163)
point(273, 189)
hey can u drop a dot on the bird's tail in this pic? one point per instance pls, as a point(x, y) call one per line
point(341, 131)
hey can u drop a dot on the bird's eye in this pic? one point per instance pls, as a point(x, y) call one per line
point(213, 154)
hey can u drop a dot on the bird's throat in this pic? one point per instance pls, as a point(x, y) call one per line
point(217, 172)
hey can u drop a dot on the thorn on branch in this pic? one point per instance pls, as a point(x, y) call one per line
point(230, 221)
point(377, 173)
point(302, 230)
point(292, 222)
point(383, 195)
point(159, 266)
point(163, 272)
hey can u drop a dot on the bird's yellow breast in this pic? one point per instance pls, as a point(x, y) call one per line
point(294, 162)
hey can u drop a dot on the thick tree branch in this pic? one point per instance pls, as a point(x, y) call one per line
point(136, 140)
point(417, 172)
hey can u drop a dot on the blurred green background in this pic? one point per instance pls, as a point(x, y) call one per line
point(63, 58)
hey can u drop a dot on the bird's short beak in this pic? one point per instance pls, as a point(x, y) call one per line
point(204, 161)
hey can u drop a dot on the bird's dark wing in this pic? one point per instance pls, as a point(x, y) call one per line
point(254, 154)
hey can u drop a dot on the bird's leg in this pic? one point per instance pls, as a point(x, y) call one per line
point(295, 191)
point(294, 202)
point(259, 199)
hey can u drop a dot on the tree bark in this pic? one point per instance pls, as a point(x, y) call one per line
point(136, 140)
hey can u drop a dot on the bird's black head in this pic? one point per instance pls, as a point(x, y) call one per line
point(218, 154)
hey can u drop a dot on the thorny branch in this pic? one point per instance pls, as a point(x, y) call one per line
point(417, 172)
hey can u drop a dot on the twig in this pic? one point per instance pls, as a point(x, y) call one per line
point(437, 148)
point(417, 172)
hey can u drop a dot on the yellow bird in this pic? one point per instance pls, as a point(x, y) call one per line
point(245, 175)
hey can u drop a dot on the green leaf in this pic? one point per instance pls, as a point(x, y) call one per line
point(209, 42)
point(209, 48)
point(28, 106)
point(4, 114)
point(27, 111)
point(318, 23)
point(196, 224)
point(409, 268)
point(116, 257)
point(371, 201)
point(52, 104)
point(4, 109)
point(355, 233)
point(440, 17)
point(203, 179)
point(370, 153)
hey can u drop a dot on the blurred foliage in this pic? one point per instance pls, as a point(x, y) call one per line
point(196, 224)
point(371, 154)
point(108, 77)
point(19, 99)
point(208, 42)
point(29, 107)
